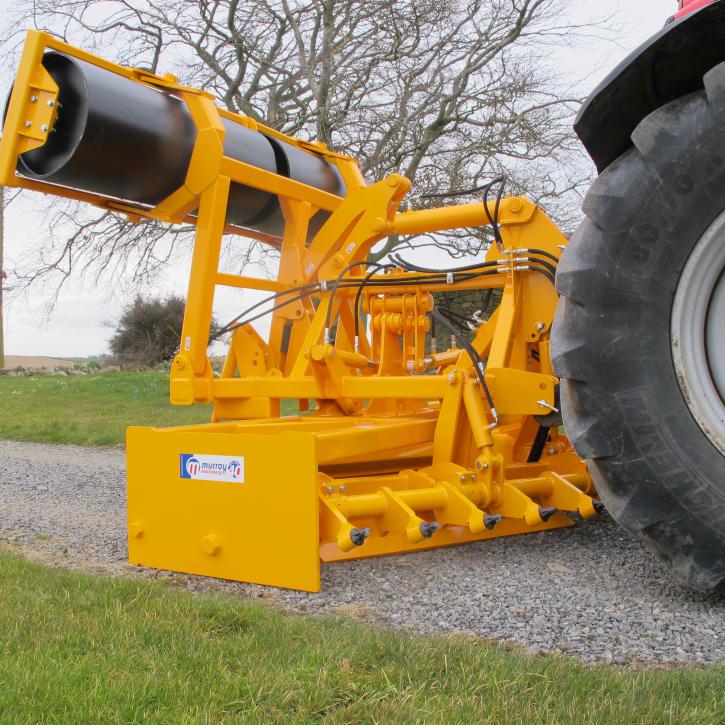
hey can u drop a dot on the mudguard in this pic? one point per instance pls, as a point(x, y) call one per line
point(669, 65)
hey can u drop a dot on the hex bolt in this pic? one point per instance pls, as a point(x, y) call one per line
point(551, 451)
point(598, 506)
point(329, 489)
point(451, 378)
point(490, 520)
point(44, 127)
point(51, 103)
point(540, 326)
point(464, 478)
point(358, 536)
point(428, 528)
point(33, 99)
point(546, 513)
point(343, 488)
point(28, 124)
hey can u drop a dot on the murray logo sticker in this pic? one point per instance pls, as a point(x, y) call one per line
point(212, 468)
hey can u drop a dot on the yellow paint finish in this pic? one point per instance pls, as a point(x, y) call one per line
point(401, 442)
point(264, 530)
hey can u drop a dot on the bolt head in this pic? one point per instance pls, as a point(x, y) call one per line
point(44, 127)
point(51, 103)
point(28, 124)
point(343, 488)
point(540, 326)
point(552, 451)
point(33, 99)
point(210, 545)
point(479, 465)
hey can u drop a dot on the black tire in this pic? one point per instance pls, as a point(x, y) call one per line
point(655, 469)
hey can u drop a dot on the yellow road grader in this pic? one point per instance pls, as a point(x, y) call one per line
point(410, 434)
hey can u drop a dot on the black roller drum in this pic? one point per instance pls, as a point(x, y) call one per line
point(123, 139)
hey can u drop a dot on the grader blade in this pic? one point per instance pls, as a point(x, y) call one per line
point(416, 434)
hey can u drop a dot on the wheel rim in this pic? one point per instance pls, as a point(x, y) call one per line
point(698, 333)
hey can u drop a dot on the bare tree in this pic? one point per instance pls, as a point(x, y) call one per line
point(447, 93)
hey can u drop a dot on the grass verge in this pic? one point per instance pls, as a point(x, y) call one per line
point(89, 410)
point(75, 648)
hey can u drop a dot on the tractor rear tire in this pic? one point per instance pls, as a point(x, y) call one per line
point(631, 274)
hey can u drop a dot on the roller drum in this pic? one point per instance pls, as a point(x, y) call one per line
point(119, 138)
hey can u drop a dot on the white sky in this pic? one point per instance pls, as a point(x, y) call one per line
point(78, 325)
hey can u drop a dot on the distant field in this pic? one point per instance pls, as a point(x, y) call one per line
point(89, 410)
point(74, 648)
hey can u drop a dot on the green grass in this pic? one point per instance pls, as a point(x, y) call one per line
point(90, 410)
point(75, 648)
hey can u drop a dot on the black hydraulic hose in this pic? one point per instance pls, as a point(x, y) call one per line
point(335, 285)
point(469, 267)
point(427, 270)
point(356, 309)
point(310, 289)
point(544, 253)
point(241, 322)
point(473, 354)
point(543, 271)
point(544, 263)
point(458, 316)
point(537, 447)
point(493, 218)
point(231, 324)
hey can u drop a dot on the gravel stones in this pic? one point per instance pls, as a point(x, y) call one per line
point(590, 591)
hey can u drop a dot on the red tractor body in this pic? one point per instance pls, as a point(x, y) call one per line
point(689, 6)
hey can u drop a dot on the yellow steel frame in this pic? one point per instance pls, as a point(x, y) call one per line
point(402, 451)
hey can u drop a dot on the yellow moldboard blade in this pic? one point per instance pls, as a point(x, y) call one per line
point(228, 505)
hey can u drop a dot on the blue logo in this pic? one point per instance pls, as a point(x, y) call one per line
point(211, 468)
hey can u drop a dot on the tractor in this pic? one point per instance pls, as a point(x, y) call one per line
point(639, 337)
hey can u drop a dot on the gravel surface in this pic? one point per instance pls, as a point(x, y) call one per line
point(589, 591)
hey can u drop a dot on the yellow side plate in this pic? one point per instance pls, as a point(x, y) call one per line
point(263, 528)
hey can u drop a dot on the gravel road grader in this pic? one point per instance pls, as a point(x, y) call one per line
point(411, 433)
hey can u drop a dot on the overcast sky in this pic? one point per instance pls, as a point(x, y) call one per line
point(78, 326)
